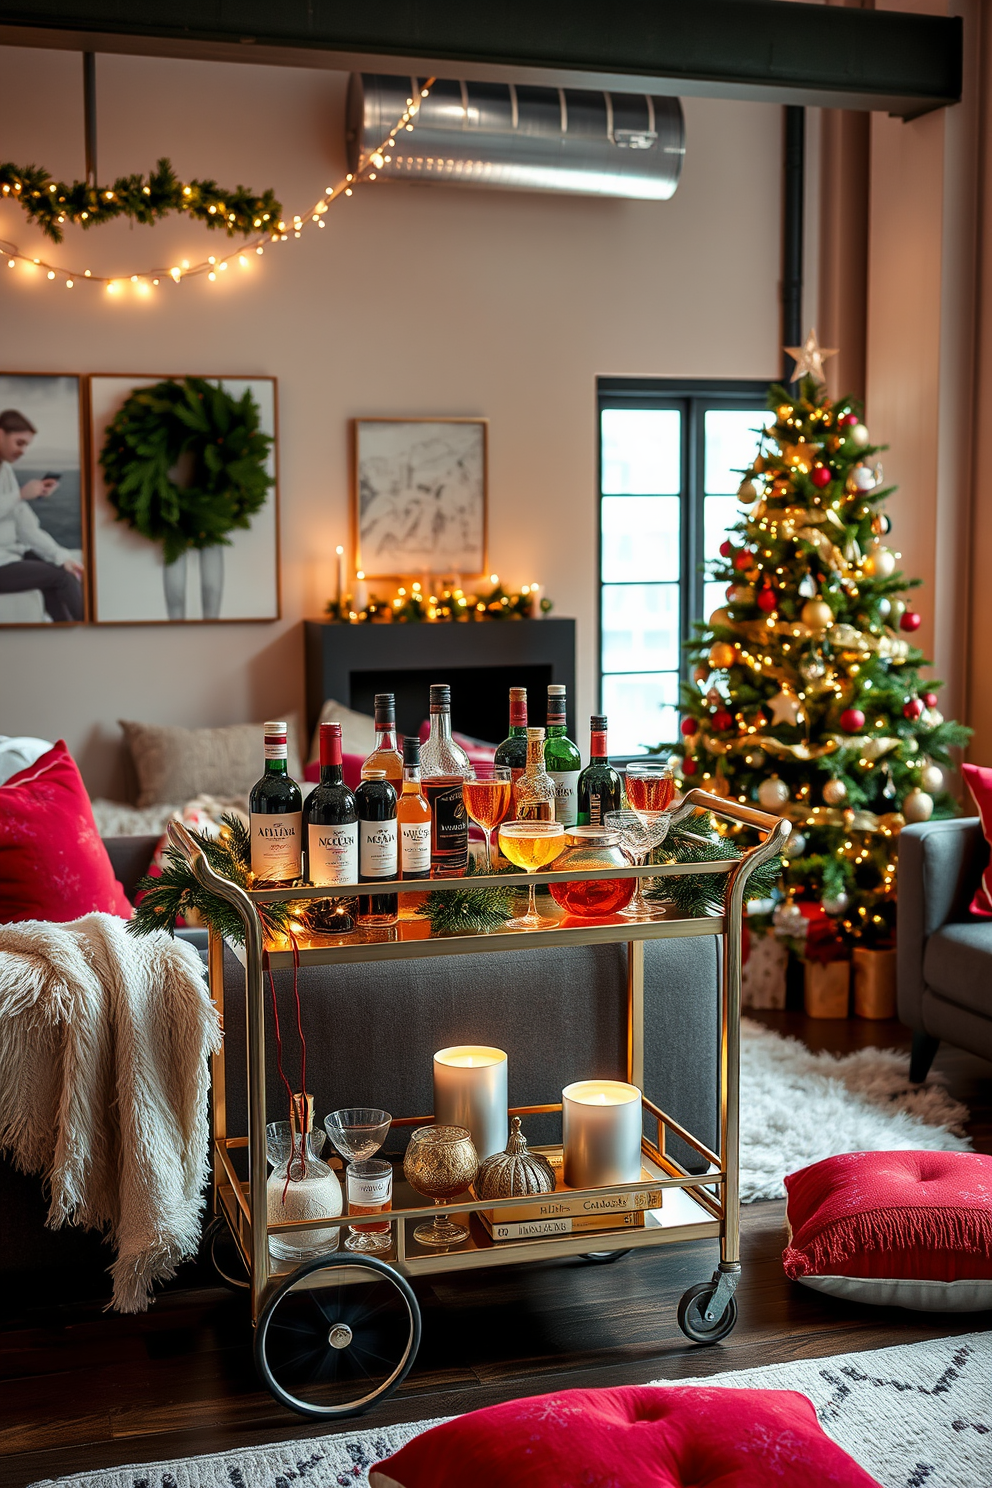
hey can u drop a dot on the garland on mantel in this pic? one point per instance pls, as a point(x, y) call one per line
point(413, 606)
point(52, 203)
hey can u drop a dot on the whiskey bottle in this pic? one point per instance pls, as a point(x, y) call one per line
point(386, 755)
point(600, 789)
point(513, 750)
point(444, 766)
point(377, 847)
point(534, 791)
point(562, 759)
point(275, 809)
point(414, 817)
point(331, 818)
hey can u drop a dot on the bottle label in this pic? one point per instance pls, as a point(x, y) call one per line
point(377, 849)
point(369, 1191)
point(333, 854)
point(566, 783)
point(597, 745)
point(276, 749)
point(276, 845)
point(415, 840)
point(449, 833)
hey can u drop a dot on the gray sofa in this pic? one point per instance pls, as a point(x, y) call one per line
point(371, 1032)
point(944, 955)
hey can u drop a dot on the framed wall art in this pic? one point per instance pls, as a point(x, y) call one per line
point(185, 499)
point(420, 496)
point(43, 528)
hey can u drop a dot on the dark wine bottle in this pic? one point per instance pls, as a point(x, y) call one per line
point(275, 809)
point(561, 758)
point(600, 789)
point(377, 847)
point(513, 750)
point(330, 835)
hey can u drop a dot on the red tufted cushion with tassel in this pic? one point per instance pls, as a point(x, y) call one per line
point(905, 1229)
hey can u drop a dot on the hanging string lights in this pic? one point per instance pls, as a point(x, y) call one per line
point(145, 282)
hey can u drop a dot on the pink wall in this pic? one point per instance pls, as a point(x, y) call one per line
point(414, 300)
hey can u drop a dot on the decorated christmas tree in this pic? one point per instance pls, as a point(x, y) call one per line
point(806, 695)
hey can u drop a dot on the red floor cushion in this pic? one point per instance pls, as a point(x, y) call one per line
point(638, 1436)
point(901, 1229)
point(53, 865)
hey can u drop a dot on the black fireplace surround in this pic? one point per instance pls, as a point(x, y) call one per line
point(480, 660)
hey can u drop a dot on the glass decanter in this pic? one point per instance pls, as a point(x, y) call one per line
point(300, 1186)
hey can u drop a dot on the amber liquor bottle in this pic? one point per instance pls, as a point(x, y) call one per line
point(445, 765)
point(386, 754)
point(534, 792)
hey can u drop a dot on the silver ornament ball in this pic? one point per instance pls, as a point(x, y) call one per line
point(795, 845)
point(835, 904)
point(863, 478)
point(932, 778)
point(773, 793)
point(917, 806)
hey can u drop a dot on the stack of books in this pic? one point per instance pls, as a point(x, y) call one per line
point(561, 1213)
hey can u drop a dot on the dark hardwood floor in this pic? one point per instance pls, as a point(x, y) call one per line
point(82, 1389)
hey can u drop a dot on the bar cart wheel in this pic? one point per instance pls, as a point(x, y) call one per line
point(225, 1256)
point(338, 1334)
point(692, 1315)
point(604, 1257)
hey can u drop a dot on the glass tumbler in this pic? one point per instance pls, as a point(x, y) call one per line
point(370, 1191)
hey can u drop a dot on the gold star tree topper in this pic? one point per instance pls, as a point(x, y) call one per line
point(809, 358)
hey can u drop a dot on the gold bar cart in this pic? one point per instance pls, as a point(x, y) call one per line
point(336, 1333)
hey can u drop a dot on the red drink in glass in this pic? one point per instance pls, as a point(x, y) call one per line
point(650, 792)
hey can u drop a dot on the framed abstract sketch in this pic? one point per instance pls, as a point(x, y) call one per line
point(420, 494)
point(217, 557)
point(43, 557)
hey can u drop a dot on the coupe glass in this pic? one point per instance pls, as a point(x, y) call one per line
point(440, 1163)
point(637, 839)
point(487, 800)
point(358, 1131)
point(531, 845)
point(650, 789)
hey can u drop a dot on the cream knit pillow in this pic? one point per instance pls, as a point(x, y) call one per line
point(173, 764)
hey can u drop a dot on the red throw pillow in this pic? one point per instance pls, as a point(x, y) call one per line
point(637, 1436)
point(900, 1229)
point(979, 782)
point(351, 768)
point(53, 865)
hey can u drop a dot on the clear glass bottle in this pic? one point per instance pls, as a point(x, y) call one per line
point(534, 792)
point(300, 1186)
point(600, 788)
point(562, 759)
point(275, 809)
point(513, 750)
point(386, 754)
point(444, 765)
point(592, 898)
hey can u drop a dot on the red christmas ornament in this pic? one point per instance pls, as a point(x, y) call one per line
point(722, 720)
point(930, 698)
point(743, 561)
point(767, 600)
point(726, 548)
point(910, 620)
point(849, 418)
point(852, 720)
point(689, 767)
point(689, 726)
point(821, 476)
point(912, 709)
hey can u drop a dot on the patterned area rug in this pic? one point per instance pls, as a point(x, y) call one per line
point(915, 1416)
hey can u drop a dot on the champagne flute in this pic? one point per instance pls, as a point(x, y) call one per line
point(487, 800)
point(531, 845)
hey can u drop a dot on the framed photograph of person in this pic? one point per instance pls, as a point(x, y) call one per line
point(43, 559)
point(146, 574)
point(420, 489)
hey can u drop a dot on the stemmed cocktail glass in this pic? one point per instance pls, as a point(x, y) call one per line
point(487, 800)
point(637, 840)
point(531, 845)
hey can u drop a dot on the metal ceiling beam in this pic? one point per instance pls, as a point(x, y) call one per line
point(761, 50)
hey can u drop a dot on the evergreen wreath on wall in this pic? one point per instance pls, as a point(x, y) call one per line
point(194, 424)
point(52, 203)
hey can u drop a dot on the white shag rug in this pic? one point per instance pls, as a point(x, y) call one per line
point(913, 1415)
point(798, 1107)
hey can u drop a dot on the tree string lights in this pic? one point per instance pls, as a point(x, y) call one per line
point(147, 281)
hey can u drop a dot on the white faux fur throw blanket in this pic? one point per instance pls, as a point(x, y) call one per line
point(104, 1038)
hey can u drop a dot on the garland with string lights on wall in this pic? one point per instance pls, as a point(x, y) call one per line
point(238, 212)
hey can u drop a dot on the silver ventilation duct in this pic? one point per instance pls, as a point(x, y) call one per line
point(520, 138)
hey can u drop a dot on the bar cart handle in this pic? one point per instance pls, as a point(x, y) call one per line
point(764, 820)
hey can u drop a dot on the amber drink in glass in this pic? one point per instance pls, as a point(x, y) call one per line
point(487, 801)
point(531, 845)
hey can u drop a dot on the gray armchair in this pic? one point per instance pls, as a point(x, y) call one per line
point(944, 955)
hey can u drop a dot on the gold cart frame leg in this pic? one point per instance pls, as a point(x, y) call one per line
point(635, 1013)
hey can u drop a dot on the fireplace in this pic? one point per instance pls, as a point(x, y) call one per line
point(481, 660)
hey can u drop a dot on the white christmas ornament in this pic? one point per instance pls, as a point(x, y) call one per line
point(884, 609)
point(862, 477)
point(917, 806)
point(835, 904)
point(932, 778)
point(860, 436)
point(834, 792)
point(883, 561)
point(795, 845)
point(773, 793)
point(786, 708)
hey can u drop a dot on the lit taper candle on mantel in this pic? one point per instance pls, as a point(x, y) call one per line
point(339, 550)
point(470, 1091)
point(601, 1133)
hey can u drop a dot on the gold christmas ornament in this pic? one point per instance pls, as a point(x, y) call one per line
point(809, 358)
point(720, 620)
point(817, 614)
point(892, 821)
point(880, 562)
point(773, 793)
point(700, 675)
point(747, 493)
point(917, 806)
point(859, 435)
point(786, 708)
point(932, 778)
point(834, 792)
point(517, 1170)
point(741, 594)
point(722, 655)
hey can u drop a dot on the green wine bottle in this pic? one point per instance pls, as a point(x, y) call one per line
point(562, 759)
point(600, 787)
point(513, 750)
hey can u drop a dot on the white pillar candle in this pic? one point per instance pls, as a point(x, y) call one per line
point(470, 1091)
point(601, 1130)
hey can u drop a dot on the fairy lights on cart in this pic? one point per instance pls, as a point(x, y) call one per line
point(213, 265)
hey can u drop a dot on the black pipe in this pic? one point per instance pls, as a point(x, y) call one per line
point(89, 115)
point(793, 205)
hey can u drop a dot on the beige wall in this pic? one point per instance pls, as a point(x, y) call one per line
point(414, 300)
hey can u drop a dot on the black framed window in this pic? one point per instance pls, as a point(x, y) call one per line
point(670, 453)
